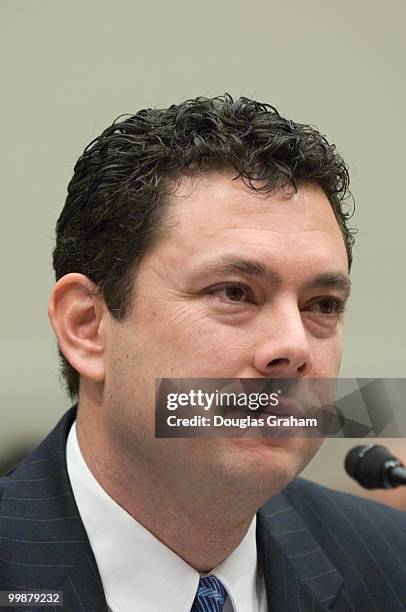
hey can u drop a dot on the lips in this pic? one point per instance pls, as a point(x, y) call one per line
point(285, 408)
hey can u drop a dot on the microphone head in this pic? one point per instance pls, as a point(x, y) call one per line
point(368, 465)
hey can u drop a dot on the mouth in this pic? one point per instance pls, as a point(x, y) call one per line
point(286, 408)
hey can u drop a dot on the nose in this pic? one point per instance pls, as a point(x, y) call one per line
point(282, 349)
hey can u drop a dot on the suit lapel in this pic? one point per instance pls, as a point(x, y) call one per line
point(43, 540)
point(298, 575)
point(44, 543)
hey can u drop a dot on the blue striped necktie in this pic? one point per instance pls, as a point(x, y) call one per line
point(210, 596)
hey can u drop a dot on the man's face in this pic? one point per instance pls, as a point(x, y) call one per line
point(235, 289)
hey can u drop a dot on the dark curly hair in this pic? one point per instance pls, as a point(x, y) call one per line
point(116, 199)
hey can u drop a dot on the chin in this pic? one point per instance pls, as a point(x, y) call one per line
point(266, 466)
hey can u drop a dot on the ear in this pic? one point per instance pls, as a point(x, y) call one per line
point(78, 314)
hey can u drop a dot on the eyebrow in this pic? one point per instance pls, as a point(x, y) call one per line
point(229, 264)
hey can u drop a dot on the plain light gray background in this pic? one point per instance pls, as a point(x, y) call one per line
point(69, 68)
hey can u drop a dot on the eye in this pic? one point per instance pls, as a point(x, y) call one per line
point(235, 293)
point(328, 306)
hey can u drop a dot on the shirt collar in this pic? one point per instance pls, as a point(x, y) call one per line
point(135, 566)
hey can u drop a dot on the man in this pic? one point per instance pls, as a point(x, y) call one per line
point(207, 240)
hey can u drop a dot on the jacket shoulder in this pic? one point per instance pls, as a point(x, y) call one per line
point(43, 459)
point(345, 512)
point(363, 540)
point(322, 495)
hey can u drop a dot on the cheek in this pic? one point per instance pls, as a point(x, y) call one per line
point(218, 341)
point(308, 451)
point(195, 344)
point(192, 329)
point(120, 364)
point(327, 355)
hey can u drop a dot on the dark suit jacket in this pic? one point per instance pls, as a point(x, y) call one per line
point(319, 549)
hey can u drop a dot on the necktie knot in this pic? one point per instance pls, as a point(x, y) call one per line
point(210, 596)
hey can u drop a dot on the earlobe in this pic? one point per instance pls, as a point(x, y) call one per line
point(76, 312)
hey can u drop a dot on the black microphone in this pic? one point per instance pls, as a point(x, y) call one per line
point(373, 467)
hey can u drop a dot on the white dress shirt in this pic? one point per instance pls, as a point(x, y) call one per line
point(138, 572)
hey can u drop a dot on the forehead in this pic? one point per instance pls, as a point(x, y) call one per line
point(213, 212)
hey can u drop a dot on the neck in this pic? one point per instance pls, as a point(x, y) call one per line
point(193, 517)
